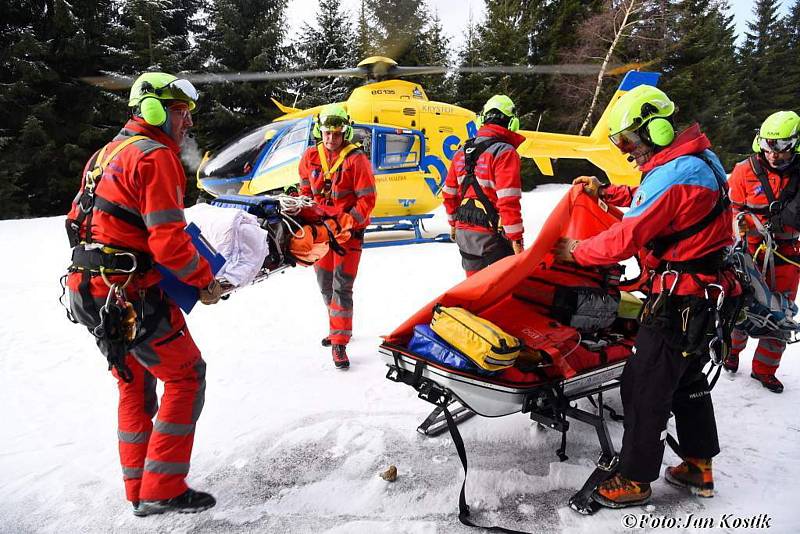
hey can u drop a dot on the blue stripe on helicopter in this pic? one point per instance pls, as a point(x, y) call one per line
point(223, 181)
point(635, 78)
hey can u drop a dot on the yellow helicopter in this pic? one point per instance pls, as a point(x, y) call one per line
point(409, 139)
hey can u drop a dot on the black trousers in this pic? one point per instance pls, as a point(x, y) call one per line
point(658, 379)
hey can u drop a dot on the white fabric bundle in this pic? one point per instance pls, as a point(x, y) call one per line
point(237, 236)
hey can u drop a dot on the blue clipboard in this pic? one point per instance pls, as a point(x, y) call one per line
point(183, 294)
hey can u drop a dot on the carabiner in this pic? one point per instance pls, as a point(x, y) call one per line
point(720, 295)
point(674, 282)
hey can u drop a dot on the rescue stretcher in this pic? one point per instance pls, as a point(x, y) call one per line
point(293, 230)
point(551, 402)
point(578, 360)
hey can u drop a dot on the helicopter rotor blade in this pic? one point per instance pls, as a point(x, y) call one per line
point(118, 82)
point(115, 82)
point(568, 68)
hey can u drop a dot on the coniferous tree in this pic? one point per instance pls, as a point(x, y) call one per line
point(240, 35)
point(769, 82)
point(505, 40)
point(398, 26)
point(436, 51)
point(470, 90)
point(51, 121)
point(701, 76)
point(792, 24)
point(326, 45)
point(364, 33)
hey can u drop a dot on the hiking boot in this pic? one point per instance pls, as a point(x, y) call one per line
point(326, 341)
point(188, 502)
point(619, 492)
point(340, 359)
point(731, 363)
point(693, 474)
point(770, 382)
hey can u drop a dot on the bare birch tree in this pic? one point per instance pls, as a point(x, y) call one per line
point(602, 37)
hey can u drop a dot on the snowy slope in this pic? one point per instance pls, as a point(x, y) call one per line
point(289, 444)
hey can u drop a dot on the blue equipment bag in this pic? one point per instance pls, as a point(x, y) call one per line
point(263, 207)
point(183, 294)
point(427, 344)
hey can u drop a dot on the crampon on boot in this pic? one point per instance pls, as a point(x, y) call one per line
point(188, 502)
point(731, 363)
point(770, 382)
point(340, 359)
point(693, 474)
point(619, 492)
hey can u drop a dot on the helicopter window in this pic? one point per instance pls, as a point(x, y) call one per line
point(237, 159)
point(289, 147)
point(398, 151)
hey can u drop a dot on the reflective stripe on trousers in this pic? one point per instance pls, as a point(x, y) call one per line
point(155, 457)
point(336, 276)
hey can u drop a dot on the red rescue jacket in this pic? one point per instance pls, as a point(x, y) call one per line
point(349, 185)
point(747, 195)
point(498, 173)
point(146, 179)
point(676, 192)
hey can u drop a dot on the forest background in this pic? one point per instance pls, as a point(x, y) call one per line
point(51, 122)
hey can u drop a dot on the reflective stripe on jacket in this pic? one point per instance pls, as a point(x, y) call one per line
point(351, 188)
point(498, 173)
point(146, 179)
point(747, 194)
point(677, 191)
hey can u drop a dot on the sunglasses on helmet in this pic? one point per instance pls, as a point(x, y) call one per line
point(179, 89)
point(778, 145)
point(626, 140)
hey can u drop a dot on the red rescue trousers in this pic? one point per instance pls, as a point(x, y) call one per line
point(155, 456)
point(769, 351)
point(335, 276)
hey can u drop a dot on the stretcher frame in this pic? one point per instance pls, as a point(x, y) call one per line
point(550, 403)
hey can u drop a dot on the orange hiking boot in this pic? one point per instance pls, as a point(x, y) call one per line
point(619, 492)
point(693, 474)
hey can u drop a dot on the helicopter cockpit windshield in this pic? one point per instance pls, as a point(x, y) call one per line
point(238, 158)
point(289, 147)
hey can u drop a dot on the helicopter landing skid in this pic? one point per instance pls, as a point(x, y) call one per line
point(402, 223)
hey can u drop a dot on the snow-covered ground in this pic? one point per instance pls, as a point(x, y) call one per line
point(287, 443)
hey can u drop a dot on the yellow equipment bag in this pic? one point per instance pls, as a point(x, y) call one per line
point(479, 340)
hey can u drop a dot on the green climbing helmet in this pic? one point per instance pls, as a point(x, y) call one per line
point(644, 109)
point(637, 106)
point(162, 86)
point(504, 105)
point(778, 133)
point(333, 117)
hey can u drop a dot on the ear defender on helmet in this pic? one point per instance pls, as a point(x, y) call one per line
point(499, 110)
point(757, 144)
point(150, 107)
point(657, 131)
point(152, 111)
point(315, 131)
point(660, 131)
